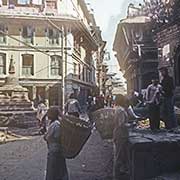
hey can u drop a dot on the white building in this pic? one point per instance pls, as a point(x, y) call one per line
point(48, 40)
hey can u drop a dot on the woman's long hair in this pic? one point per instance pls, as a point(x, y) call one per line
point(53, 114)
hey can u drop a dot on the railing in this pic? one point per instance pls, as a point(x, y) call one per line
point(77, 52)
point(27, 71)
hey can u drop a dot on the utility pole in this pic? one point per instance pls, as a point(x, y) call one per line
point(63, 70)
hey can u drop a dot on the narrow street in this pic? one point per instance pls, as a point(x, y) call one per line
point(26, 160)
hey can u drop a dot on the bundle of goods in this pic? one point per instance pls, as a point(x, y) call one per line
point(104, 122)
point(75, 133)
point(145, 124)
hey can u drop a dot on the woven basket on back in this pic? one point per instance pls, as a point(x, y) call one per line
point(104, 122)
point(75, 133)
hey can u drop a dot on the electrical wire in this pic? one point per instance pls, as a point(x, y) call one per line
point(55, 26)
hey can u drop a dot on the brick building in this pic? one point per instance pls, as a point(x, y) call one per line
point(167, 36)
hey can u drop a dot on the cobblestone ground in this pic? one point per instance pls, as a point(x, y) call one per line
point(26, 160)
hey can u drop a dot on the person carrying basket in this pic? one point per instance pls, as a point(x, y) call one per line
point(72, 106)
point(56, 162)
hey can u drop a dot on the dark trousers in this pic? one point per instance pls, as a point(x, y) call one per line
point(76, 114)
point(169, 116)
point(56, 167)
point(154, 116)
point(121, 159)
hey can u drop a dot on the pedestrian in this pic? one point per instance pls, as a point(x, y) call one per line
point(153, 101)
point(109, 101)
point(168, 88)
point(133, 98)
point(42, 117)
point(120, 139)
point(56, 163)
point(89, 101)
point(72, 106)
point(100, 101)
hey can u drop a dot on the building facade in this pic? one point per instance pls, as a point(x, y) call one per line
point(167, 36)
point(52, 45)
point(136, 51)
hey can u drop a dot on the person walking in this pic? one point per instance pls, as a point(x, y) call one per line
point(72, 106)
point(120, 139)
point(168, 88)
point(42, 117)
point(56, 163)
point(153, 101)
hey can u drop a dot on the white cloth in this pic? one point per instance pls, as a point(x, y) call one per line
point(41, 112)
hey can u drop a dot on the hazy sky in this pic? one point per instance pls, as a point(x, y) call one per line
point(107, 14)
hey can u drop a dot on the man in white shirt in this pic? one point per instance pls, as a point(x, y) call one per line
point(153, 100)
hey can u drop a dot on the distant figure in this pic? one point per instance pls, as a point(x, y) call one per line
point(120, 138)
point(72, 106)
point(42, 117)
point(100, 101)
point(89, 102)
point(153, 101)
point(133, 98)
point(56, 163)
point(11, 66)
point(109, 100)
point(168, 88)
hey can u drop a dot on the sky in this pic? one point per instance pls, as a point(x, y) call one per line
point(107, 14)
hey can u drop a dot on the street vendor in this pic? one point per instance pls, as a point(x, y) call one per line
point(56, 163)
point(120, 138)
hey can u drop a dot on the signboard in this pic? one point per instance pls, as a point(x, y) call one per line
point(166, 52)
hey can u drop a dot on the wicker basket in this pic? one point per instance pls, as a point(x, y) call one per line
point(104, 122)
point(75, 133)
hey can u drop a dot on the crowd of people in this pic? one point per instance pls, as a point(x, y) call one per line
point(159, 102)
point(159, 98)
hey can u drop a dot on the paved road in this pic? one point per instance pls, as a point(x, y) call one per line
point(26, 160)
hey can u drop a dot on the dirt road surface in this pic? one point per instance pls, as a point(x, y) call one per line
point(26, 160)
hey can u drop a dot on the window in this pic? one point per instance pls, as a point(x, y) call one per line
point(2, 63)
point(23, 2)
point(2, 35)
point(79, 69)
point(75, 68)
point(56, 65)
point(12, 4)
point(28, 34)
point(77, 47)
point(27, 64)
point(51, 5)
point(53, 36)
point(84, 73)
point(37, 2)
point(4, 2)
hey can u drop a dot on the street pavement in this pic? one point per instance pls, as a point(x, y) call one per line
point(26, 160)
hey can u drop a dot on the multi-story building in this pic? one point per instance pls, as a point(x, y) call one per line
point(52, 44)
point(167, 36)
point(135, 50)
